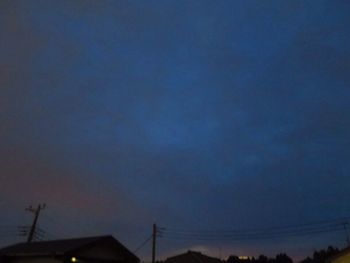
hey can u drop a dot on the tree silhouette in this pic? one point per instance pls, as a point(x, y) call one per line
point(280, 258)
point(322, 255)
point(283, 258)
point(233, 259)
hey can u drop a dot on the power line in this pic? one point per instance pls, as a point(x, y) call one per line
point(6, 227)
point(314, 228)
point(143, 244)
point(324, 222)
point(247, 234)
point(257, 237)
point(14, 231)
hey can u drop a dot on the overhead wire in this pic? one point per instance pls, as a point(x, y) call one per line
point(314, 228)
point(324, 222)
point(143, 244)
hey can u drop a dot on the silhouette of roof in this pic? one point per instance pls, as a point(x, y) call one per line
point(61, 247)
point(192, 257)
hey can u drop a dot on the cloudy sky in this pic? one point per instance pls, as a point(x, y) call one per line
point(191, 114)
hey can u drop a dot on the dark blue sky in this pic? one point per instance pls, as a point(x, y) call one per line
point(192, 114)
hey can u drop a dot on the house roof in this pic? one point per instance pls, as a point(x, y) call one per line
point(192, 257)
point(60, 247)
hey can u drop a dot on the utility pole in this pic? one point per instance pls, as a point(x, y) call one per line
point(347, 233)
point(36, 216)
point(154, 236)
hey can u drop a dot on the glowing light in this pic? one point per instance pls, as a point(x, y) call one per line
point(73, 259)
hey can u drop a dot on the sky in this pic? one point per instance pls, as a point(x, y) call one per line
point(188, 114)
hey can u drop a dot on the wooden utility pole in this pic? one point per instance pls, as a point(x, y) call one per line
point(36, 216)
point(347, 233)
point(154, 236)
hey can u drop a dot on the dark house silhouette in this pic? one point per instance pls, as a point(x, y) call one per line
point(192, 257)
point(101, 249)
